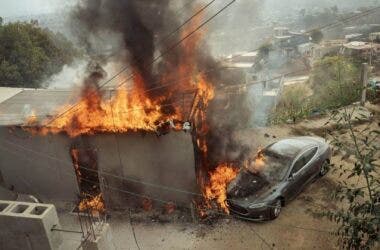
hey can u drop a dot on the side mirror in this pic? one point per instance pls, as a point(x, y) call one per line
point(291, 177)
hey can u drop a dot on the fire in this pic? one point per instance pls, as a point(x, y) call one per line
point(147, 204)
point(75, 155)
point(219, 179)
point(135, 107)
point(32, 118)
point(126, 111)
point(95, 204)
point(258, 164)
point(169, 207)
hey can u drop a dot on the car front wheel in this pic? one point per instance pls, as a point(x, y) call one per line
point(275, 209)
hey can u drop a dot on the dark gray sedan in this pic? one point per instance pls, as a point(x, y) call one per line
point(289, 165)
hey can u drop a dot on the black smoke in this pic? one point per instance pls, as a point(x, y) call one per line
point(143, 27)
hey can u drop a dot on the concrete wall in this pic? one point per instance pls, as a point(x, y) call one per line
point(38, 165)
point(167, 161)
point(28, 226)
point(48, 172)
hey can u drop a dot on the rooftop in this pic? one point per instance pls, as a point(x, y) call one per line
point(17, 104)
point(359, 45)
point(21, 103)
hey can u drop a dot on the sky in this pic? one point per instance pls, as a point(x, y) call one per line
point(14, 8)
point(11, 8)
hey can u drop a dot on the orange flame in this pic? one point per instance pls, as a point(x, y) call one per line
point(147, 204)
point(31, 119)
point(259, 162)
point(75, 155)
point(95, 205)
point(219, 179)
point(169, 207)
point(135, 110)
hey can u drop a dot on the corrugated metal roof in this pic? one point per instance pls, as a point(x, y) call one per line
point(44, 103)
point(6, 93)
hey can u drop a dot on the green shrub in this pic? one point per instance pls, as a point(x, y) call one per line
point(334, 83)
point(294, 104)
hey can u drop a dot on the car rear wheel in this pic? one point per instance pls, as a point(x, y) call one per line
point(324, 168)
point(275, 209)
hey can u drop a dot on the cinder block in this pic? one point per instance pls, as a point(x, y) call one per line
point(103, 239)
point(27, 226)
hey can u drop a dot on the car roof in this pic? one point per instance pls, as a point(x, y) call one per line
point(292, 146)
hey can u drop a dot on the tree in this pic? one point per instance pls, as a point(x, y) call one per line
point(316, 36)
point(30, 54)
point(359, 216)
point(335, 82)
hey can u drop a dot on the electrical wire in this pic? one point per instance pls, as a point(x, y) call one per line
point(117, 177)
point(221, 214)
point(161, 54)
point(217, 68)
point(133, 229)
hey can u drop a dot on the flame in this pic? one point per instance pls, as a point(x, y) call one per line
point(258, 164)
point(75, 155)
point(95, 204)
point(147, 204)
point(219, 179)
point(170, 207)
point(31, 119)
point(132, 108)
point(126, 111)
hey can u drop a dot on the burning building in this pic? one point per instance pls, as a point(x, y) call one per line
point(119, 165)
point(149, 136)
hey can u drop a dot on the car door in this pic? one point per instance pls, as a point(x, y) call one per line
point(301, 172)
point(308, 171)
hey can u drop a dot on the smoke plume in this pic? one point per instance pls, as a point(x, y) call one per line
point(131, 33)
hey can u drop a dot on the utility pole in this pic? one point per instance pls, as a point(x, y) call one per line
point(364, 78)
point(370, 53)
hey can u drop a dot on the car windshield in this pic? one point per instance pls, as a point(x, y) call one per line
point(274, 165)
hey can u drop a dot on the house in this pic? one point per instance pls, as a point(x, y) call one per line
point(124, 167)
point(375, 37)
point(361, 49)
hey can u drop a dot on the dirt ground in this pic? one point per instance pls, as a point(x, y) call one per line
point(298, 226)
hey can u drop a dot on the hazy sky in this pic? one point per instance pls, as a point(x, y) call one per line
point(10, 8)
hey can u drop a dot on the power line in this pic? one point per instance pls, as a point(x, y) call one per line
point(223, 214)
point(261, 238)
point(217, 68)
point(133, 229)
point(345, 20)
point(160, 56)
point(104, 173)
point(117, 177)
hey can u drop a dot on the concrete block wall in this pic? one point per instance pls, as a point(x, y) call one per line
point(28, 226)
point(38, 165)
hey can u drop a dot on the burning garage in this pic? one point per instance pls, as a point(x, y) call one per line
point(150, 132)
point(71, 156)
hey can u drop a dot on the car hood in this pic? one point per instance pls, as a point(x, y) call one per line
point(248, 187)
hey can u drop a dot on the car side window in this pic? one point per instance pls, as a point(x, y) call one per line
point(309, 154)
point(297, 165)
point(304, 159)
